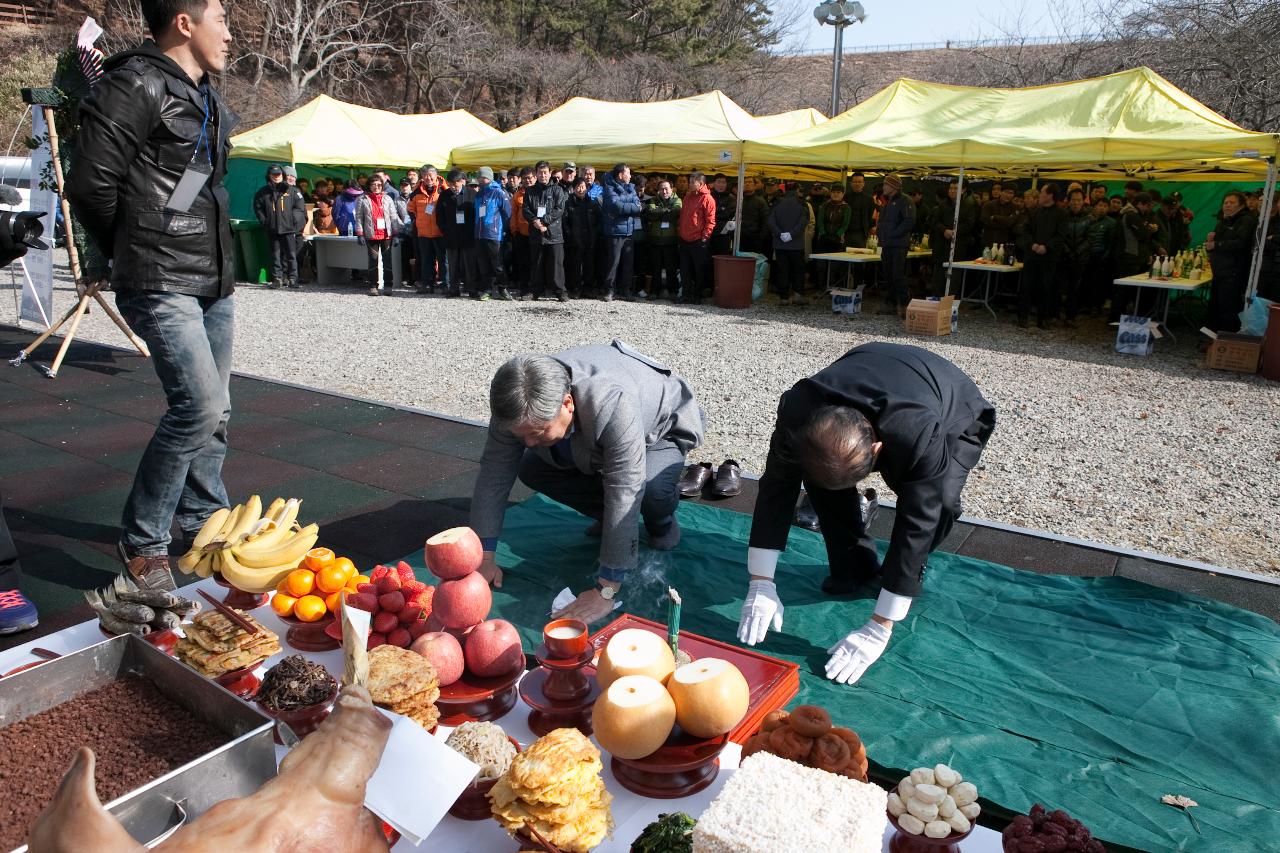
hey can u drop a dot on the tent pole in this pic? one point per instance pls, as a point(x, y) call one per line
point(737, 215)
point(1264, 216)
point(955, 231)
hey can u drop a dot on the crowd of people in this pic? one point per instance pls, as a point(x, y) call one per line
point(562, 232)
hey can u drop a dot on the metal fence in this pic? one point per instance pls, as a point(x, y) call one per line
point(951, 44)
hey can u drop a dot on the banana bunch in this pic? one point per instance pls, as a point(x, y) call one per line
point(253, 550)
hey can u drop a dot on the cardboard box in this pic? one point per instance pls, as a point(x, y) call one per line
point(1228, 351)
point(846, 301)
point(933, 316)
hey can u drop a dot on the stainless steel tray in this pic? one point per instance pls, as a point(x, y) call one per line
point(235, 769)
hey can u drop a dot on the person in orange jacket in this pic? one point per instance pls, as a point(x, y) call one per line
point(422, 210)
point(520, 234)
point(697, 224)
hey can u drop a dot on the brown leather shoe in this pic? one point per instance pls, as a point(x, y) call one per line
point(149, 572)
point(728, 482)
point(693, 480)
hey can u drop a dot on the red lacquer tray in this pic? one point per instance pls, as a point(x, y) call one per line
point(773, 682)
point(477, 700)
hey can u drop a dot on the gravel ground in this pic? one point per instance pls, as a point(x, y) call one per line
point(1154, 453)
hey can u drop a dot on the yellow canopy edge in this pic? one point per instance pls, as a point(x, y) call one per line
point(329, 132)
point(1133, 122)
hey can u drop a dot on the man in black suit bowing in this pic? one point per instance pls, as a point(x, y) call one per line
point(910, 415)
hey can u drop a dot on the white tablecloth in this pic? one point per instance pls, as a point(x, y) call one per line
point(631, 812)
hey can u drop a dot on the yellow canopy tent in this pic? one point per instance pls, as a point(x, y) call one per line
point(705, 131)
point(334, 133)
point(779, 123)
point(1133, 123)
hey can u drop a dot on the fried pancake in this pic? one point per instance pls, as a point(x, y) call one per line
point(397, 674)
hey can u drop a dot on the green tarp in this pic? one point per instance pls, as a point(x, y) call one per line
point(1094, 695)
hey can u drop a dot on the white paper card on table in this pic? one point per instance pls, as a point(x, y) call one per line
point(566, 597)
point(413, 762)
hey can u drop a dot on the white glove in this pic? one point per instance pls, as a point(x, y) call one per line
point(851, 656)
point(762, 608)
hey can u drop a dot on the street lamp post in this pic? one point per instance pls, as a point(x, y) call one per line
point(839, 15)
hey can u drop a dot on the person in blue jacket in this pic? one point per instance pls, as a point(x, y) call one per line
point(493, 219)
point(620, 207)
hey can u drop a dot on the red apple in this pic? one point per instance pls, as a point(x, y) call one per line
point(493, 649)
point(445, 654)
point(453, 553)
point(434, 623)
point(462, 602)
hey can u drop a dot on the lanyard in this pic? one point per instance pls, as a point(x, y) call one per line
point(204, 132)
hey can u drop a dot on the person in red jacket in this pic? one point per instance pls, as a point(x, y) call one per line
point(697, 224)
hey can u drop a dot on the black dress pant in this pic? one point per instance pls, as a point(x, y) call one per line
point(580, 266)
point(1040, 284)
point(490, 274)
point(789, 264)
point(893, 266)
point(1226, 300)
point(284, 257)
point(546, 264)
point(380, 250)
point(664, 258)
point(695, 269)
point(10, 571)
point(619, 260)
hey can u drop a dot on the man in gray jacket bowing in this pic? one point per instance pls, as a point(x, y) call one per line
point(602, 429)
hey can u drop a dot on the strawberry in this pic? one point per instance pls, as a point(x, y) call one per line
point(412, 586)
point(411, 613)
point(422, 601)
point(367, 587)
point(379, 572)
point(385, 622)
point(375, 640)
point(417, 629)
point(393, 601)
point(366, 601)
point(334, 629)
point(388, 583)
point(399, 637)
point(405, 571)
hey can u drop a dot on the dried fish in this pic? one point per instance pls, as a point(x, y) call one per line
point(126, 590)
point(185, 607)
point(110, 621)
point(166, 620)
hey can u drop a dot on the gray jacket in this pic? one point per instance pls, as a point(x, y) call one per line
point(623, 403)
point(391, 208)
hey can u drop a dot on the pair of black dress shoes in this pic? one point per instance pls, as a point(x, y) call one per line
point(724, 482)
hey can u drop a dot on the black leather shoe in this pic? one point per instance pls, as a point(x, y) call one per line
point(806, 515)
point(693, 480)
point(728, 481)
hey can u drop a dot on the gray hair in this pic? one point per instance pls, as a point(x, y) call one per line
point(528, 389)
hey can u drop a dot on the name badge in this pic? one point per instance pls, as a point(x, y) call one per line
point(431, 208)
point(460, 217)
point(380, 224)
point(542, 211)
point(666, 225)
point(189, 185)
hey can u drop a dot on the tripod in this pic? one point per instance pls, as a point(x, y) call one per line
point(91, 290)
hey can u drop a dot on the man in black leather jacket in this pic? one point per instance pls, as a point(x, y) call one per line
point(147, 186)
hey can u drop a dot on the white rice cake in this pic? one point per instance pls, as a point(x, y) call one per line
point(771, 804)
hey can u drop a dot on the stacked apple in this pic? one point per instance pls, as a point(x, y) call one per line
point(458, 637)
point(400, 605)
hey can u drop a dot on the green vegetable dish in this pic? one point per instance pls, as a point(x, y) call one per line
point(670, 833)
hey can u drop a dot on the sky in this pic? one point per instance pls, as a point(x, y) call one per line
point(904, 21)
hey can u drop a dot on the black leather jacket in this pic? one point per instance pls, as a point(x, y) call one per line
point(138, 133)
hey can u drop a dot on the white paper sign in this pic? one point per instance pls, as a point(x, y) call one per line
point(414, 762)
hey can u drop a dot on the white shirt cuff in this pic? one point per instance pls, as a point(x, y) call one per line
point(892, 606)
point(762, 562)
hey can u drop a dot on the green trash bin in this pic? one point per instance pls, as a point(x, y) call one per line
point(252, 251)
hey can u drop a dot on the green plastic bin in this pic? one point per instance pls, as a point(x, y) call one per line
point(252, 251)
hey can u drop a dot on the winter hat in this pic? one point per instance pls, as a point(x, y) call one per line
point(486, 172)
point(893, 182)
point(290, 172)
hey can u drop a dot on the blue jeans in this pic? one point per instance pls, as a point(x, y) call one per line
point(180, 475)
point(430, 252)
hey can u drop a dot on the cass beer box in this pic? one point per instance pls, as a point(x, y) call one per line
point(846, 301)
point(1228, 351)
point(933, 316)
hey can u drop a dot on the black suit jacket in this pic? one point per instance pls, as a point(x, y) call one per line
point(919, 405)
